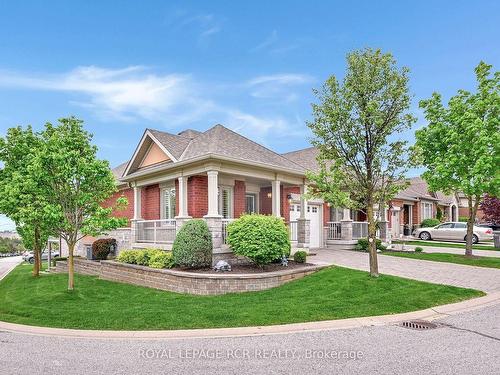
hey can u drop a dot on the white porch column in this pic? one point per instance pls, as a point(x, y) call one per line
point(346, 225)
point(303, 201)
point(183, 210)
point(137, 203)
point(213, 194)
point(276, 199)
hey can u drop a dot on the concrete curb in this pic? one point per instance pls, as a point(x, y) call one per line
point(432, 313)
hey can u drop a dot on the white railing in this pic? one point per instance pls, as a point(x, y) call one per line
point(292, 225)
point(225, 222)
point(155, 231)
point(333, 230)
point(359, 229)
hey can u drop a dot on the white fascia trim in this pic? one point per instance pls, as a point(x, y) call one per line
point(147, 133)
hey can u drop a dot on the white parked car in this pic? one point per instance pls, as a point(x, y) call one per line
point(453, 231)
point(29, 256)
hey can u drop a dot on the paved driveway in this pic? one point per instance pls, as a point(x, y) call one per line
point(485, 279)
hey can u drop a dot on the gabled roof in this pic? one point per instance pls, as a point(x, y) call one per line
point(222, 141)
point(118, 170)
point(175, 144)
point(418, 189)
point(305, 157)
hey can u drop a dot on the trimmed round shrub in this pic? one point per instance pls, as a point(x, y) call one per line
point(429, 223)
point(101, 248)
point(418, 249)
point(192, 247)
point(161, 259)
point(300, 256)
point(260, 238)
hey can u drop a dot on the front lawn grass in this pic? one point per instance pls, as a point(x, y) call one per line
point(331, 293)
point(477, 261)
point(445, 244)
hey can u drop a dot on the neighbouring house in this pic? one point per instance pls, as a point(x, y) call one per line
point(417, 202)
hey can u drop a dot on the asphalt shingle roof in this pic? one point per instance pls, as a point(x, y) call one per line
point(306, 158)
point(175, 144)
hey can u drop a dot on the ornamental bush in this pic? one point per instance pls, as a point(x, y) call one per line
point(300, 256)
point(142, 256)
point(260, 238)
point(101, 248)
point(127, 256)
point(193, 245)
point(418, 249)
point(161, 259)
point(428, 223)
point(362, 245)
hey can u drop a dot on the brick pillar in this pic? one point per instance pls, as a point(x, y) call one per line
point(303, 232)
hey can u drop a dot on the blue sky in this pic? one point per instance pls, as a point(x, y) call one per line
point(123, 66)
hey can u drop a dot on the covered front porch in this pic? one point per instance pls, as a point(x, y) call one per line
point(219, 196)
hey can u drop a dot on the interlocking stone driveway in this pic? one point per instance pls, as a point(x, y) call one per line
point(485, 279)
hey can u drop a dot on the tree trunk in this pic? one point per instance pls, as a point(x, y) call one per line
point(372, 240)
point(37, 253)
point(71, 273)
point(473, 206)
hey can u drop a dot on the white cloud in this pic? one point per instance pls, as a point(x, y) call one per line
point(270, 40)
point(172, 100)
point(278, 86)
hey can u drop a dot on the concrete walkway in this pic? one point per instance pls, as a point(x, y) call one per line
point(481, 278)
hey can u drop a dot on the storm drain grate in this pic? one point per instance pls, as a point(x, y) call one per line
point(419, 325)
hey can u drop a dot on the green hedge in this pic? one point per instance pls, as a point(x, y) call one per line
point(429, 223)
point(193, 245)
point(263, 239)
point(463, 219)
point(154, 258)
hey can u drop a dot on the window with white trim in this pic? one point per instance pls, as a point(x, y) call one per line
point(426, 210)
point(250, 203)
point(226, 202)
point(168, 203)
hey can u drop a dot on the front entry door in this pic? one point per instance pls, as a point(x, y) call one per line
point(313, 214)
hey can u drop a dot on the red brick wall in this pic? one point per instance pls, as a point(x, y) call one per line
point(198, 196)
point(326, 214)
point(285, 204)
point(265, 206)
point(239, 198)
point(150, 202)
point(129, 210)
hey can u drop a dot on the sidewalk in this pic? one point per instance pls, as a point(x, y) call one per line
point(451, 250)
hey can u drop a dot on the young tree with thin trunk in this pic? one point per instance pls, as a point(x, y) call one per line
point(354, 125)
point(78, 183)
point(22, 197)
point(460, 147)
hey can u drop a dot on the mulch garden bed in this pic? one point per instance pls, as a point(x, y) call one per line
point(250, 268)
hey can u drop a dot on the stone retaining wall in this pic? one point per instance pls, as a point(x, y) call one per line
point(82, 266)
point(189, 282)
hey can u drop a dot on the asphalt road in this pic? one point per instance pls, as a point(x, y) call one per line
point(468, 343)
point(6, 264)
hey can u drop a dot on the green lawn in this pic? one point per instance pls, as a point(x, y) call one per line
point(332, 293)
point(446, 244)
point(450, 258)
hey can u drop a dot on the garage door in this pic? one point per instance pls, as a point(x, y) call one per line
point(314, 215)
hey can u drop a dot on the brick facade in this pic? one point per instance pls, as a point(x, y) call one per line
point(326, 214)
point(198, 196)
point(285, 203)
point(265, 207)
point(239, 199)
point(128, 212)
point(150, 202)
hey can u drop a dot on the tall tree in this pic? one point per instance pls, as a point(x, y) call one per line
point(460, 147)
point(22, 197)
point(491, 209)
point(78, 181)
point(353, 124)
